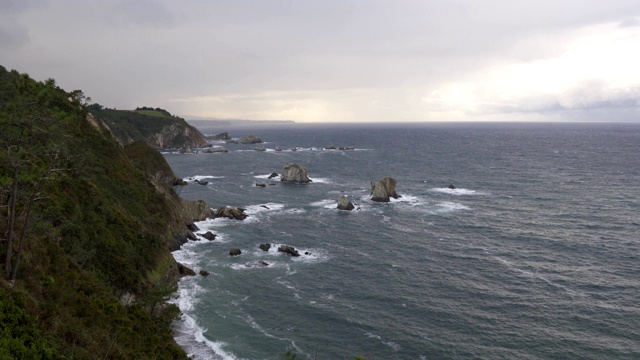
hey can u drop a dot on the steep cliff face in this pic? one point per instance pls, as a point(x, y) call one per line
point(93, 265)
point(158, 129)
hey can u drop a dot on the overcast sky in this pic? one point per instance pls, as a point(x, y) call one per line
point(342, 60)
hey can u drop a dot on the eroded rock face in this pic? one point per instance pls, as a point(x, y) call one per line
point(294, 173)
point(344, 203)
point(231, 213)
point(384, 189)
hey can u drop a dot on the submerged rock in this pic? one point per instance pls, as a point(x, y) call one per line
point(273, 175)
point(383, 189)
point(294, 173)
point(204, 273)
point(261, 185)
point(344, 203)
point(451, 187)
point(235, 252)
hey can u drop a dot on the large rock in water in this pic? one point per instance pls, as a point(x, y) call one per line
point(344, 203)
point(250, 139)
point(231, 213)
point(294, 173)
point(383, 189)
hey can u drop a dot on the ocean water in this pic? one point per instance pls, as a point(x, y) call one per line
point(535, 255)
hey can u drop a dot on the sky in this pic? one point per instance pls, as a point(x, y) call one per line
point(337, 60)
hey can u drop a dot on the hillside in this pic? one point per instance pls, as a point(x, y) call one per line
point(157, 127)
point(85, 231)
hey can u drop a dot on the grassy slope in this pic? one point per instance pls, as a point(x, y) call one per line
point(102, 231)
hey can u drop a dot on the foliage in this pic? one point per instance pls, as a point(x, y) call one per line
point(99, 229)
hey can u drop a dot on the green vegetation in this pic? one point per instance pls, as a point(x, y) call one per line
point(144, 124)
point(84, 223)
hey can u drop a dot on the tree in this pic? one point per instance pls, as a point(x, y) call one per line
point(34, 154)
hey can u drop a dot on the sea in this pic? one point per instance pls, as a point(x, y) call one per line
point(535, 254)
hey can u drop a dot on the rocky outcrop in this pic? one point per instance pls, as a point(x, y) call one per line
point(294, 173)
point(250, 139)
point(451, 187)
point(231, 213)
point(233, 141)
point(216, 150)
point(265, 246)
point(278, 148)
point(273, 175)
point(344, 203)
point(235, 252)
point(221, 136)
point(209, 235)
point(185, 271)
point(384, 189)
point(330, 147)
point(289, 250)
point(260, 148)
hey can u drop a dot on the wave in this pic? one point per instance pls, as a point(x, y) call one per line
point(448, 206)
point(202, 177)
point(457, 192)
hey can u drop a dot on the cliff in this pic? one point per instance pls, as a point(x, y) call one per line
point(158, 128)
point(86, 227)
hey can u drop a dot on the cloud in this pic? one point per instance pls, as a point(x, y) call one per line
point(595, 70)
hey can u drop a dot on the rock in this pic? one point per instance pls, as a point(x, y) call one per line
point(272, 184)
point(191, 236)
point(204, 273)
point(221, 136)
point(202, 182)
point(192, 227)
point(307, 253)
point(233, 141)
point(180, 182)
point(264, 206)
point(265, 246)
point(344, 203)
point(218, 149)
point(278, 148)
point(260, 148)
point(209, 235)
point(383, 189)
point(273, 175)
point(235, 252)
point(261, 185)
point(294, 173)
point(264, 263)
point(185, 271)
point(250, 139)
point(289, 250)
point(451, 187)
point(231, 213)
point(294, 149)
point(330, 147)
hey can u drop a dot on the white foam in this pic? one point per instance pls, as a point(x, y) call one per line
point(196, 344)
point(449, 206)
point(373, 336)
point(260, 208)
point(266, 177)
point(393, 345)
point(457, 192)
point(321, 181)
point(327, 204)
point(202, 177)
point(407, 199)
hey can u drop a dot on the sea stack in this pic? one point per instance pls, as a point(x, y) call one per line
point(294, 173)
point(384, 189)
point(344, 203)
